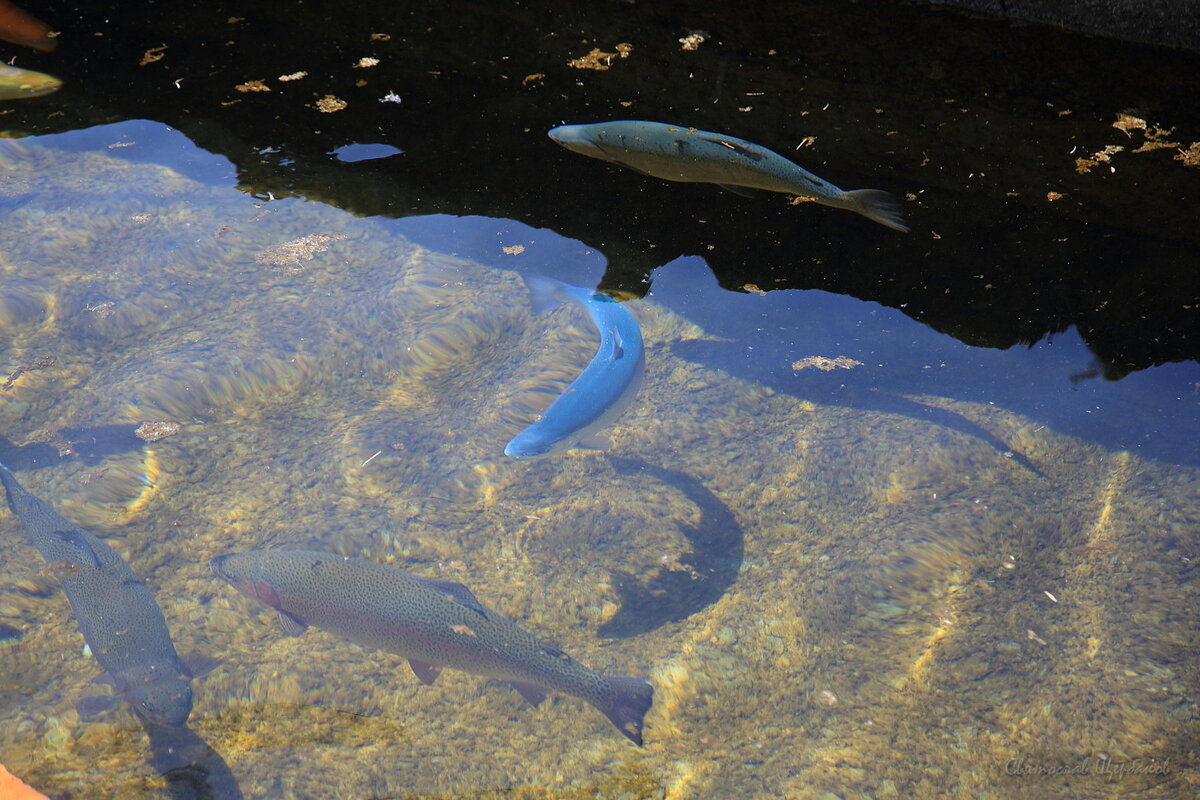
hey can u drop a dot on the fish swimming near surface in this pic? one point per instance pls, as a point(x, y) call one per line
point(17, 83)
point(431, 623)
point(680, 153)
point(117, 614)
point(18, 27)
point(595, 399)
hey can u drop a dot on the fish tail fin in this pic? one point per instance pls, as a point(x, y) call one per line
point(544, 293)
point(628, 701)
point(877, 205)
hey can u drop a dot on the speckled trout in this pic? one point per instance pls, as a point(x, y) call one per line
point(431, 623)
point(680, 153)
point(117, 614)
point(604, 389)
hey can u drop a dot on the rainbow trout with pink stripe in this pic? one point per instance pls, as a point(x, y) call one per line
point(431, 623)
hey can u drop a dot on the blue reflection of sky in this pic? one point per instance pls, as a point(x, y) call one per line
point(1153, 412)
point(145, 141)
point(364, 152)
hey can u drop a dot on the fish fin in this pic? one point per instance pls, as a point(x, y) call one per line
point(292, 626)
point(596, 441)
point(457, 592)
point(198, 665)
point(737, 147)
point(744, 191)
point(426, 673)
point(544, 293)
point(877, 205)
point(93, 705)
point(105, 678)
point(618, 346)
point(76, 538)
point(533, 695)
point(631, 699)
point(632, 167)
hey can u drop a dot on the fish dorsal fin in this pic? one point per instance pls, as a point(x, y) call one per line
point(533, 694)
point(426, 673)
point(458, 592)
point(292, 626)
point(737, 147)
point(618, 346)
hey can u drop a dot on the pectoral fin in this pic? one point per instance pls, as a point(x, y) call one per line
point(534, 695)
point(596, 441)
point(744, 191)
point(92, 706)
point(199, 665)
point(292, 626)
point(426, 673)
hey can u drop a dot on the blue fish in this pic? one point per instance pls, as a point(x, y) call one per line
point(680, 153)
point(602, 391)
point(117, 614)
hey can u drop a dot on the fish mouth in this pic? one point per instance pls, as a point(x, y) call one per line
point(573, 138)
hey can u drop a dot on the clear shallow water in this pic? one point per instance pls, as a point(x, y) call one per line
point(883, 626)
point(945, 569)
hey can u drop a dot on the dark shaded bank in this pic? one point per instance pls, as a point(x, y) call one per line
point(1168, 22)
point(978, 123)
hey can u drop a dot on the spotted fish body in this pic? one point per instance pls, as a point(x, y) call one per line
point(604, 389)
point(689, 155)
point(117, 614)
point(433, 624)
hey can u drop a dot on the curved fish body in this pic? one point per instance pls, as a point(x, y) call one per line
point(600, 394)
point(433, 624)
point(117, 614)
point(680, 153)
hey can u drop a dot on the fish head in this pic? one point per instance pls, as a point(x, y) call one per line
point(16, 83)
point(586, 140)
point(530, 444)
point(160, 692)
point(242, 572)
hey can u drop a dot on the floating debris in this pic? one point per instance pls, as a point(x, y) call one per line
point(825, 364)
point(693, 40)
point(825, 698)
point(153, 431)
point(390, 97)
point(1191, 156)
point(152, 55)
point(291, 254)
point(752, 288)
point(295, 76)
point(381, 37)
point(599, 60)
point(365, 61)
point(1052, 196)
point(1029, 634)
point(253, 86)
point(1084, 165)
point(514, 249)
point(329, 104)
point(33, 365)
point(536, 76)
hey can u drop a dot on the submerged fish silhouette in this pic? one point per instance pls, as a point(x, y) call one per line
point(604, 389)
point(433, 624)
point(117, 614)
point(680, 153)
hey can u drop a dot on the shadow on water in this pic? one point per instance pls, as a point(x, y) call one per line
point(711, 568)
point(192, 768)
point(92, 445)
